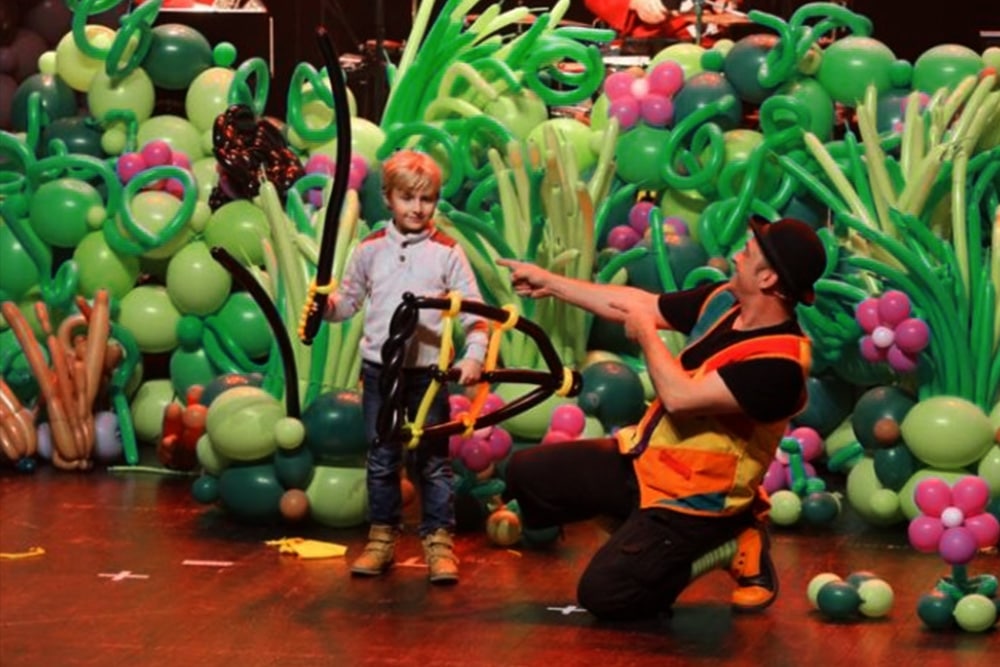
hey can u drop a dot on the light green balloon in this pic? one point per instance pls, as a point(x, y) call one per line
point(197, 284)
point(133, 92)
point(153, 210)
point(975, 613)
point(947, 432)
point(209, 457)
point(989, 470)
point(208, 96)
point(18, 272)
point(366, 139)
point(206, 175)
point(592, 428)
point(688, 56)
point(786, 508)
point(338, 497)
point(907, 504)
point(101, 268)
point(75, 68)
point(147, 408)
point(148, 313)
point(182, 136)
point(884, 503)
point(862, 485)
point(876, 598)
point(531, 424)
point(241, 228)
point(569, 132)
point(818, 582)
point(241, 423)
point(840, 437)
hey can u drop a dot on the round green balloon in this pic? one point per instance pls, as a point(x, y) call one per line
point(894, 466)
point(570, 133)
point(240, 227)
point(100, 267)
point(134, 92)
point(205, 489)
point(179, 133)
point(189, 368)
point(989, 470)
point(153, 210)
point(613, 393)
point(829, 403)
point(75, 68)
point(241, 423)
point(820, 508)
point(149, 314)
point(532, 424)
point(862, 484)
point(294, 468)
point(243, 321)
point(743, 63)
point(289, 433)
point(686, 205)
point(947, 432)
point(702, 90)
point(876, 598)
point(838, 600)
point(975, 613)
point(853, 63)
point(57, 99)
point(197, 284)
point(209, 457)
point(640, 156)
point(811, 95)
point(936, 610)
point(335, 428)
point(208, 96)
point(177, 54)
point(875, 405)
point(944, 66)
point(206, 176)
point(147, 408)
point(687, 55)
point(80, 136)
point(786, 507)
point(18, 272)
point(338, 497)
point(817, 583)
point(251, 492)
point(60, 210)
point(884, 504)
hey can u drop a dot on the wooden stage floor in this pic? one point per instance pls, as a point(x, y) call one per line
point(65, 608)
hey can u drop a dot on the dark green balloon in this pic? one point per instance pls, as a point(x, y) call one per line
point(838, 600)
point(613, 393)
point(830, 401)
point(885, 402)
point(205, 489)
point(889, 109)
point(335, 428)
point(58, 99)
point(251, 492)
point(703, 89)
point(80, 135)
point(610, 336)
point(894, 466)
point(177, 54)
point(294, 468)
point(820, 508)
point(936, 610)
point(228, 381)
point(742, 64)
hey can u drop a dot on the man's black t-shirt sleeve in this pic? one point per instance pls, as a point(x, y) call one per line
point(767, 389)
point(681, 309)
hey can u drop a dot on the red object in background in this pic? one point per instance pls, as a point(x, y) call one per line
point(626, 22)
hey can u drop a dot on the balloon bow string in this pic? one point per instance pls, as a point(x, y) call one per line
point(391, 425)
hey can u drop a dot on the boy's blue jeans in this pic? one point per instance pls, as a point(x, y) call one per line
point(428, 464)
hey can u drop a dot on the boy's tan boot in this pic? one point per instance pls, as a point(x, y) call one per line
point(379, 552)
point(439, 551)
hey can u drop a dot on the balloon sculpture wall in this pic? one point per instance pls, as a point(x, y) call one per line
point(121, 331)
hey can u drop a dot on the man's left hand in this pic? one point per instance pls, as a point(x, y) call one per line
point(638, 322)
point(469, 371)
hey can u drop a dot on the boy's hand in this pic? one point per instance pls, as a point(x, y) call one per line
point(649, 11)
point(331, 302)
point(469, 371)
point(527, 279)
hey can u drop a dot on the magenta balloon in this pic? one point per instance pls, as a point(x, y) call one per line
point(774, 478)
point(618, 85)
point(129, 165)
point(657, 110)
point(476, 454)
point(912, 335)
point(900, 361)
point(958, 545)
point(985, 528)
point(666, 78)
point(569, 418)
point(623, 237)
point(553, 437)
point(867, 314)
point(455, 445)
point(626, 109)
point(810, 440)
point(500, 442)
point(893, 307)
point(491, 404)
point(676, 226)
point(971, 495)
point(458, 403)
point(925, 534)
point(932, 496)
point(870, 351)
point(638, 216)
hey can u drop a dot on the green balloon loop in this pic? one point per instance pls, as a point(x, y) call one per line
point(480, 126)
point(139, 21)
point(81, 12)
point(297, 99)
point(484, 191)
point(145, 239)
point(11, 182)
point(79, 166)
point(667, 282)
point(574, 87)
point(240, 91)
point(400, 135)
point(705, 135)
point(702, 275)
point(775, 110)
point(37, 119)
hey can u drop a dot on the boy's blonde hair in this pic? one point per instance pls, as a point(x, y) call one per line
point(411, 171)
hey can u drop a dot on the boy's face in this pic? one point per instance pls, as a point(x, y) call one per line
point(412, 210)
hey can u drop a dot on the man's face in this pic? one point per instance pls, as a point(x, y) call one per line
point(412, 210)
point(751, 268)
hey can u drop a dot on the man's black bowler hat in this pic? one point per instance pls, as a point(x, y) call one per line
point(795, 252)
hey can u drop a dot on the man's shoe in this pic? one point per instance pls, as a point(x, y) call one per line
point(379, 553)
point(753, 571)
point(439, 551)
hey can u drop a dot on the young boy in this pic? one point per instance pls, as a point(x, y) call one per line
point(409, 255)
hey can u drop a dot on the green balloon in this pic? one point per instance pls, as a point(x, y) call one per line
point(210, 459)
point(876, 598)
point(838, 600)
point(81, 136)
point(208, 96)
point(743, 63)
point(243, 321)
point(251, 492)
point(853, 63)
point(338, 497)
point(134, 92)
point(294, 468)
point(829, 404)
point(687, 55)
point(189, 368)
point(989, 470)
point(101, 268)
point(862, 485)
point(786, 508)
point(894, 466)
point(206, 175)
point(936, 610)
point(75, 68)
point(241, 423)
point(179, 133)
point(147, 407)
point(197, 284)
point(944, 66)
point(177, 54)
point(817, 101)
point(532, 424)
point(569, 133)
point(817, 583)
point(874, 409)
point(947, 432)
point(57, 99)
point(613, 393)
point(151, 317)
point(61, 211)
point(684, 205)
point(640, 155)
point(820, 508)
point(335, 428)
point(240, 227)
point(18, 272)
point(205, 489)
point(154, 210)
point(704, 89)
point(975, 613)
